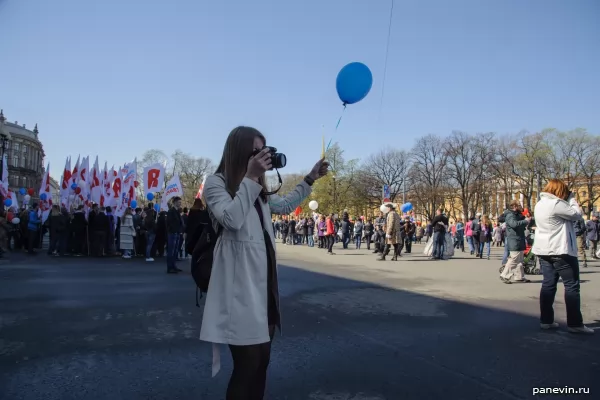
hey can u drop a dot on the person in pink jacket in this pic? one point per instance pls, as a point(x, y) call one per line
point(469, 234)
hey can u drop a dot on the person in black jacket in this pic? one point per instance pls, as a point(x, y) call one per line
point(174, 230)
point(580, 231)
point(439, 224)
point(99, 230)
point(409, 230)
point(79, 228)
point(197, 220)
point(58, 224)
point(368, 231)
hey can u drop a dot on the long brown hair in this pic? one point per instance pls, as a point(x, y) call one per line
point(236, 153)
point(198, 205)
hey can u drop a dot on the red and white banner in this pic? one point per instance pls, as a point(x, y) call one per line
point(173, 189)
point(201, 188)
point(75, 174)
point(154, 178)
point(95, 183)
point(64, 184)
point(45, 196)
point(13, 196)
point(4, 178)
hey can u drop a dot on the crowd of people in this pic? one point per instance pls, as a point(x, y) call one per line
point(140, 232)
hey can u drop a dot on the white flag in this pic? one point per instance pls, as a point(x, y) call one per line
point(173, 189)
point(154, 178)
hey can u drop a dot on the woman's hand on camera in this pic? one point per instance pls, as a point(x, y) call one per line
point(319, 170)
point(259, 164)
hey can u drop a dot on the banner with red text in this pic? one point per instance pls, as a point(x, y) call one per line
point(173, 189)
point(154, 178)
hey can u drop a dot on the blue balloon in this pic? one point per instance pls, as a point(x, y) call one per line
point(157, 207)
point(409, 206)
point(7, 202)
point(404, 207)
point(133, 204)
point(150, 196)
point(22, 191)
point(43, 196)
point(73, 186)
point(354, 82)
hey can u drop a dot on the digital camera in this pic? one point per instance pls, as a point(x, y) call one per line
point(278, 160)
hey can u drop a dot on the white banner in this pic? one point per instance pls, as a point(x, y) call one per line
point(173, 189)
point(154, 178)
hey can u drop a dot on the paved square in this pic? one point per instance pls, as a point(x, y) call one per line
point(353, 328)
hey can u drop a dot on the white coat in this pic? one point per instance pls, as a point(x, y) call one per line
point(555, 232)
point(235, 311)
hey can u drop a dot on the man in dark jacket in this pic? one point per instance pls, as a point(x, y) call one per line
point(516, 223)
point(292, 232)
point(476, 229)
point(593, 234)
point(174, 230)
point(380, 239)
point(580, 232)
point(150, 228)
point(99, 229)
point(369, 230)
point(409, 230)
point(439, 224)
point(346, 229)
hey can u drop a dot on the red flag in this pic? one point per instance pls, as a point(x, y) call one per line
point(298, 211)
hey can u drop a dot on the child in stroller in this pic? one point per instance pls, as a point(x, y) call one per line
point(530, 262)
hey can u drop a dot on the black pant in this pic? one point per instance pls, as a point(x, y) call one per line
point(476, 244)
point(98, 243)
point(322, 242)
point(408, 244)
point(330, 242)
point(31, 240)
point(567, 268)
point(249, 377)
point(368, 240)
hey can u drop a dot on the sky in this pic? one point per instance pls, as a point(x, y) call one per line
point(114, 78)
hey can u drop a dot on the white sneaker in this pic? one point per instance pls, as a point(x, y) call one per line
point(149, 259)
point(127, 257)
point(581, 329)
point(553, 325)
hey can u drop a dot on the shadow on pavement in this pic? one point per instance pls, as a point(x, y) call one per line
point(115, 329)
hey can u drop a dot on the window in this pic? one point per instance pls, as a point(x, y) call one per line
point(24, 147)
point(16, 147)
point(15, 162)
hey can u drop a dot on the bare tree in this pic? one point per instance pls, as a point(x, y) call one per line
point(192, 171)
point(468, 158)
point(428, 174)
point(587, 158)
point(387, 167)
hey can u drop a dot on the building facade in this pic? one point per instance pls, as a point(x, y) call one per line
point(25, 155)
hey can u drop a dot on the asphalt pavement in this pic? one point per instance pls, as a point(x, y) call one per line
point(353, 329)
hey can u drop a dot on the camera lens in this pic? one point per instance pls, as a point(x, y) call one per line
point(279, 160)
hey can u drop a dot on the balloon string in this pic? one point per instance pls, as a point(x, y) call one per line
point(336, 126)
point(385, 64)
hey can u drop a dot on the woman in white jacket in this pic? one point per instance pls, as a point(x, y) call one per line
point(556, 246)
point(242, 303)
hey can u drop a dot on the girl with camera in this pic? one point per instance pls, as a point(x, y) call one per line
point(242, 305)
